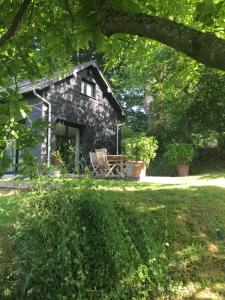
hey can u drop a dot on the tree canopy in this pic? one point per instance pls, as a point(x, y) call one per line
point(37, 36)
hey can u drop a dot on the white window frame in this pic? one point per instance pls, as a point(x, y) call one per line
point(87, 86)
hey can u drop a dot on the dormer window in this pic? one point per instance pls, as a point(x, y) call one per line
point(88, 88)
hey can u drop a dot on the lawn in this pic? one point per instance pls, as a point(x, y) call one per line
point(183, 214)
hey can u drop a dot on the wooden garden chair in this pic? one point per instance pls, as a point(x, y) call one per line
point(103, 162)
point(94, 163)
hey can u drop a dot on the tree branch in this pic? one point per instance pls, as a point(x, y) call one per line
point(69, 10)
point(202, 46)
point(15, 23)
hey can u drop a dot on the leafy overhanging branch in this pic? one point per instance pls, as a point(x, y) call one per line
point(112, 18)
point(15, 23)
point(204, 47)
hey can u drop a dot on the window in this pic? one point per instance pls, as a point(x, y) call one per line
point(88, 88)
point(60, 129)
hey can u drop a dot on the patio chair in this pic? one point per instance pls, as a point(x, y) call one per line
point(94, 163)
point(105, 166)
point(101, 150)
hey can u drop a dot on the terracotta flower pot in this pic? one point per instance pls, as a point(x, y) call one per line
point(136, 169)
point(183, 169)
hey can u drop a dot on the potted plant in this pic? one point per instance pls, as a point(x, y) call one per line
point(180, 154)
point(140, 151)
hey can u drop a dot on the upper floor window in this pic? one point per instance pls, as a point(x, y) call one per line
point(88, 88)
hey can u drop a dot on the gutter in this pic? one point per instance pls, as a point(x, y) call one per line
point(49, 123)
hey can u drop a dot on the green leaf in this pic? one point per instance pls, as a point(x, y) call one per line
point(126, 6)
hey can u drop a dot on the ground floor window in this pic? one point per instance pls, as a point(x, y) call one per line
point(67, 143)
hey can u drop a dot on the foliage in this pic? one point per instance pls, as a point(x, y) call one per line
point(49, 170)
point(75, 244)
point(131, 95)
point(154, 91)
point(58, 29)
point(181, 94)
point(140, 148)
point(57, 159)
point(17, 130)
point(184, 214)
point(194, 113)
point(207, 108)
point(180, 153)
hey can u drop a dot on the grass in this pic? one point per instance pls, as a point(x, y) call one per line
point(184, 214)
point(9, 207)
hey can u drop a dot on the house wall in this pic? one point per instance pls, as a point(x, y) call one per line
point(36, 113)
point(95, 116)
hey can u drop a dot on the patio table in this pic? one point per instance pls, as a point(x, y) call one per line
point(119, 162)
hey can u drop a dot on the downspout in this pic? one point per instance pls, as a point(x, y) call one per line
point(49, 123)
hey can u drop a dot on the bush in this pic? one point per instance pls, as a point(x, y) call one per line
point(140, 148)
point(75, 244)
point(179, 153)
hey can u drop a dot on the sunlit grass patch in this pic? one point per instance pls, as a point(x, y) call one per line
point(194, 291)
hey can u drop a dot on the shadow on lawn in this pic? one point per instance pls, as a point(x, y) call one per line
point(181, 220)
point(186, 218)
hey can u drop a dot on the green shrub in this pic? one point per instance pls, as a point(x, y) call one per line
point(140, 148)
point(179, 153)
point(76, 244)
